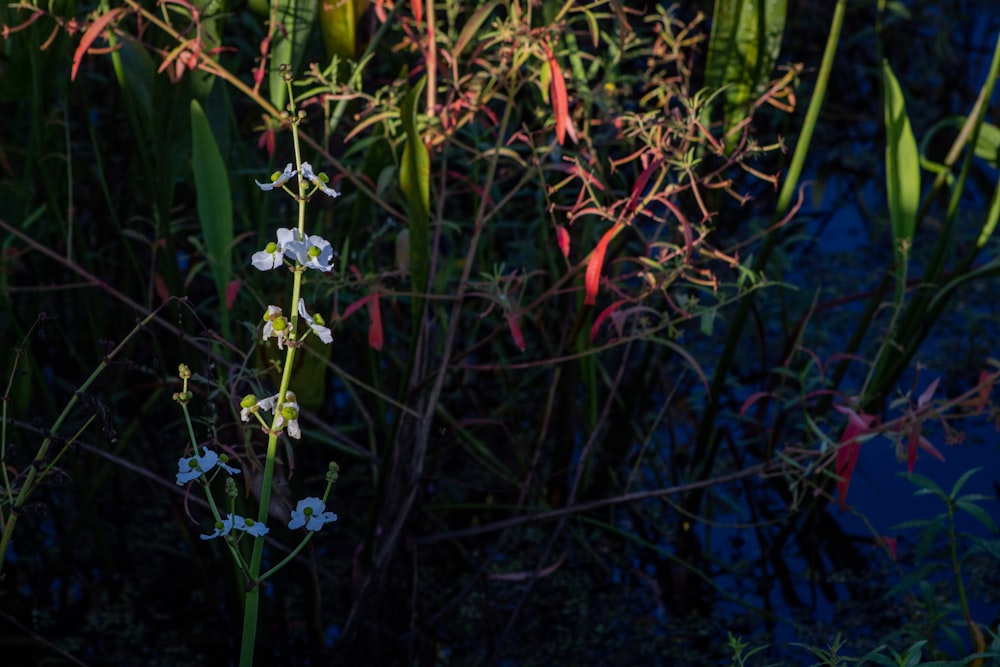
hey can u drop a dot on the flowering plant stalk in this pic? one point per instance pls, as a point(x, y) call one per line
point(298, 252)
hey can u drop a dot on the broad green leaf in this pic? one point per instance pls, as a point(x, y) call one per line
point(289, 45)
point(414, 179)
point(215, 206)
point(902, 160)
point(743, 48)
point(338, 23)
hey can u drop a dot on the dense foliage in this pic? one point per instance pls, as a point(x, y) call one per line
point(599, 380)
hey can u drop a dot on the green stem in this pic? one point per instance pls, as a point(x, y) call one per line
point(251, 607)
point(975, 634)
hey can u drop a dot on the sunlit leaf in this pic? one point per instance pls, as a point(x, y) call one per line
point(593, 275)
point(743, 48)
point(902, 160)
point(560, 100)
point(338, 21)
point(414, 179)
point(90, 34)
point(562, 239)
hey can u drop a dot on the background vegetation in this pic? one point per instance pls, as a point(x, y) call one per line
point(602, 366)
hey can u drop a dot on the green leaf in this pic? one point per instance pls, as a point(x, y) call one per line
point(338, 23)
point(988, 144)
point(742, 50)
point(878, 657)
point(977, 513)
point(902, 160)
point(961, 482)
point(215, 206)
point(924, 483)
point(414, 179)
point(471, 27)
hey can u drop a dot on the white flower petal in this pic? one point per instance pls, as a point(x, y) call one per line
point(186, 472)
point(314, 518)
point(279, 181)
point(309, 175)
point(320, 330)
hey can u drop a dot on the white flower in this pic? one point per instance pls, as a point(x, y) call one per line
point(251, 405)
point(231, 522)
point(250, 526)
point(193, 467)
point(276, 326)
point(287, 416)
point(315, 323)
point(309, 512)
point(314, 252)
point(307, 173)
point(268, 403)
point(271, 256)
point(227, 525)
point(277, 180)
